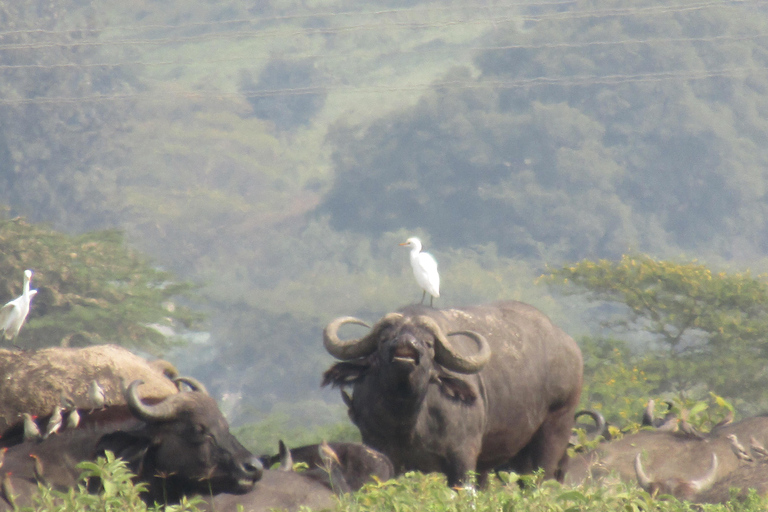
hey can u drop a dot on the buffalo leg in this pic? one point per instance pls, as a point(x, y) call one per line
point(547, 447)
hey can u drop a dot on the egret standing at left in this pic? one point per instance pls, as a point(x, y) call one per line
point(13, 314)
point(424, 270)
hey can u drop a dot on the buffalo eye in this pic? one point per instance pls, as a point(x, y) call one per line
point(201, 433)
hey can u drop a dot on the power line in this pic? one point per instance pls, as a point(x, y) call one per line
point(263, 34)
point(562, 81)
point(422, 51)
point(256, 20)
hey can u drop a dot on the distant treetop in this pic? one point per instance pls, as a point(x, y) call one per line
point(91, 289)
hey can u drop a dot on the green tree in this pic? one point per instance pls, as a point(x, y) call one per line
point(91, 289)
point(707, 329)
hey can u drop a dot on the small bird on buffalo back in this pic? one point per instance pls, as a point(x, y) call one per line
point(13, 314)
point(332, 465)
point(727, 420)
point(54, 423)
point(37, 469)
point(758, 450)
point(73, 417)
point(738, 449)
point(96, 396)
point(8, 493)
point(424, 270)
point(31, 430)
point(687, 429)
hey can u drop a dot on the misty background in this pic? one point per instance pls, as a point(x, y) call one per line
point(275, 153)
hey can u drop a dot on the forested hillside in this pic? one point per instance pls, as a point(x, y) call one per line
point(275, 153)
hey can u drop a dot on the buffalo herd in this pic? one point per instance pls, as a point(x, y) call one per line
point(460, 391)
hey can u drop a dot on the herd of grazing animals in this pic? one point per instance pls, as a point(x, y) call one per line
point(477, 389)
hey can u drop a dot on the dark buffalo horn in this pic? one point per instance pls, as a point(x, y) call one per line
point(354, 348)
point(193, 383)
point(648, 414)
point(642, 479)
point(286, 460)
point(705, 482)
point(598, 418)
point(163, 411)
point(164, 367)
point(448, 357)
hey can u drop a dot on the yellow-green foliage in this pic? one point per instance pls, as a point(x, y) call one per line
point(117, 492)
point(698, 329)
point(616, 388)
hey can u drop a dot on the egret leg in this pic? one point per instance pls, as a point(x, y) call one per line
point(423, 296)
point(431, 298)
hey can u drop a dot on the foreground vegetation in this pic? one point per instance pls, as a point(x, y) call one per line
point(412, 492)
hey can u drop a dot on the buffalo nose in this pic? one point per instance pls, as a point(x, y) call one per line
point(253, 468)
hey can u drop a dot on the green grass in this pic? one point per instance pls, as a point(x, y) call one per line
point(418, 492)
point(412, 492)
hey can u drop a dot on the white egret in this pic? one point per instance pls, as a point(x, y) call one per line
point(13, 314)
point(424, 269)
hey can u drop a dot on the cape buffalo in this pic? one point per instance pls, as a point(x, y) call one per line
point(34, 381)
point(358, 463)
point(334, 468)
point(666, 455)
point(431, 404)
point(180, 446)
point(281, 490)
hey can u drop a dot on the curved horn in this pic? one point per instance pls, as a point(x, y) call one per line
point(350, 349)
point(164, 367)
point(354, 348)
point(163, 411)
point(642, 478)
point(599, 419)
point(193, 383)
point(647, 420)
point(448, 357)
point(707, 480)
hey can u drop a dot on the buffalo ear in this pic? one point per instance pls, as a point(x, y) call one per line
point(455, 389)
point(130, 447)
point(345, 373)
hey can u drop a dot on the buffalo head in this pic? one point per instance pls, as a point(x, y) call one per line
point(409, 353)
point(185, 440)
point(680, 488)
point(406, 342)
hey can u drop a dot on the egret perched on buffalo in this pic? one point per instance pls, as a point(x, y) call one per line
point(14, 313)
point(424, 269)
